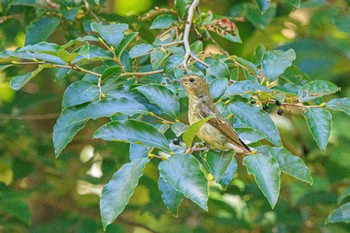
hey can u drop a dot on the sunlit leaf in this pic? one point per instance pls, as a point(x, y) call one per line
point(190, 133)
point(339, 104)
point(183, 172)
point(141, 50)
point(80, 92)
point(218, 87)
point(112, 33)
point(118, 191)
point(316, 89)
point(171, 198)
point(219, 162)
point(164, 21)
point(340, 214)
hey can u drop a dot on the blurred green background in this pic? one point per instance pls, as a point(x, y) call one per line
point(62, 195)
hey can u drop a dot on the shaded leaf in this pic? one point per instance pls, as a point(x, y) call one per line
point(109, 107)
point(124, 43)
point(250, 66)
point(19, 81)
point(219, 70)
point(179, 128)
point(191, 132)
point(263, 5)
point(182, 171)
point(111, 71)
point(275, 62)
point(181, 7)
point(289, 164)
point(267, 173)
point(30, 56)
point(132, 131)
point(137, 151)
point(316, 89)
point(171, 198)
point(257, 119)
point(157, 58)
point(118, 191)
point(249, 135)
point(164, 21)
point(245, 87)
point(80, 92)
point(41, 29)
point(229, 173)
point(162, 97)
point(218, 162)
point(112, 33)
point(320, 123)
point(340, 214)
point(339, 104)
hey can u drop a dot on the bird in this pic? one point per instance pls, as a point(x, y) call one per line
point(216, 132)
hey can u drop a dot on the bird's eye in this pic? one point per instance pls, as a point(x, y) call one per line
point(191, 80)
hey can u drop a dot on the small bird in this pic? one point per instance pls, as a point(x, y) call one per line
point(217, 132)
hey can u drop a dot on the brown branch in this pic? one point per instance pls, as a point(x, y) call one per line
point(87, 6)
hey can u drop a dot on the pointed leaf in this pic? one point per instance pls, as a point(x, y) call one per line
point(267, 173)
point(183, 172)
point(137, 151)
point(19, 81)
point(63, 132)
point(118, 191)
point(141, 50)
point(124, 43)
point(41, 29)
point(179, 128)
point(289, 164)
point(339, 104)
point(229, 173)
point(263, 5)
point(320, 123)
point(164, 21)
point(162, 97)
point(112, 34)
point(340, 214)
point(219, 70)
point(109, 107)
point(244, 87)
point(132, 131)
point(275, 62)
point(111, 71)
point(218, 162)
point(181, 6)
point(171, 198)
point(316, 89)
point(80, 92)
point(249, 135)
point(257, 119)
point(191, 132)
point(7, 55)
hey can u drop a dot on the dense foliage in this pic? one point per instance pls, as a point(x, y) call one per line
point(275, 70)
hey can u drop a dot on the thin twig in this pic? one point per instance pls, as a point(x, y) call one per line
point(139, 74)
point(87, 6)
point(162, 119)
point(187, 30)
point(171, 43)
point(48, 116)
point(111, 49)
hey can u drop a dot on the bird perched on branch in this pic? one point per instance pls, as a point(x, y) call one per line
point(217, 132)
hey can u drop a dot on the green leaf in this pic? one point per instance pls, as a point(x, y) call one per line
point(164, 21)
point(171, 198)
point(250, 66)
point(19, 81)
point(289, 164)
point(258, 54)
point(316, 89)
point(111, 71)
point(41, 47)
point(257, 119)
point(245, 87)
point(267, 173)
point(79, 39)
point(295, 3)
point(320, 123)
point(112, 34)
point(17, 208)
point(162, 97)
point(29, 56)
point(132, 131)
point(66, 56)
point(157, 58)
point(63, 132)
point(263, 5)
point(80, 92)
point(343, 196)
point(181, 7)
point(218, 87)
point(182, 171)
point(141, 50)
point(191, 132)
point(339, 104)
point(137, 151)
point(340, 214)
point(260, 21)
point(42, 29)
point(118, 191)
point(124, 43)
point(275, 62)
point(89, 53)
point(249, 135)
point(109, 107)
point(229, 173)
point(179, 128)
point(218, 162)
point(219, 70)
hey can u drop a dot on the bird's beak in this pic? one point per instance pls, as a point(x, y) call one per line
point(177, 80)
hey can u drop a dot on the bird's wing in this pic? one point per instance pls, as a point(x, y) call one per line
point(221, 124)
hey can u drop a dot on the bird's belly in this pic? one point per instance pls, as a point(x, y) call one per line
point(214, 137)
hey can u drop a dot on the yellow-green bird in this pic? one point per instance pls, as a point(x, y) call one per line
point(217, 132)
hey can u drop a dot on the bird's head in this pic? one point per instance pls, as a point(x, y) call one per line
point(195, 85)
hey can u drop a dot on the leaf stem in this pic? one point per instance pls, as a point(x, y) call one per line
point(162, 119)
